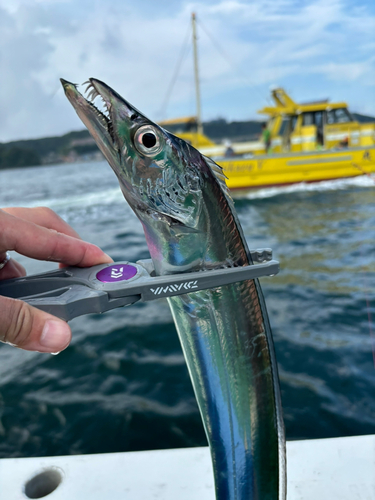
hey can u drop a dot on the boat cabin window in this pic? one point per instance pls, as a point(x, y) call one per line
point(319, 119)
point(286, 128)
point(340, 115)
point(283, 126)
point(308, 119)
point(287, 125)
point(313, 118)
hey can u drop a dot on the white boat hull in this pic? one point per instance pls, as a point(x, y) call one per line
point(321, 469)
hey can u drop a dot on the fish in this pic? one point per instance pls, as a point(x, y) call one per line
point(190, 224)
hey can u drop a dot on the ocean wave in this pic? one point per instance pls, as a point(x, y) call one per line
point(106, 197)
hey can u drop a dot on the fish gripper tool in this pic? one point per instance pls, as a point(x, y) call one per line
point(74, 291)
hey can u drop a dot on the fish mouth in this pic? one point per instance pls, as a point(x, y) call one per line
point(92, 92)
point(86, 104)
point(100, 122)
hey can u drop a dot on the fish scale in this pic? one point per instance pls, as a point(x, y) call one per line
point(224, 332)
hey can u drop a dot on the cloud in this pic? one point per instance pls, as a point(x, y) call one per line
point(134, 47)
point(346, 72)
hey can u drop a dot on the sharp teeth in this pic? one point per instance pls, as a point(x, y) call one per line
point(106, 110)
point(93, 94)
point(104, 115)
point(89, 86)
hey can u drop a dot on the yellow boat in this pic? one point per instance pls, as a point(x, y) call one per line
point(308, 143)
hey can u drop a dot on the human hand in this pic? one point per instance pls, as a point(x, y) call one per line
point(41, 234)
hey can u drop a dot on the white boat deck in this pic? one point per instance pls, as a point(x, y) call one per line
point(322, 469)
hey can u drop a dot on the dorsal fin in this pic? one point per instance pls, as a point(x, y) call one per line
point(219, 174)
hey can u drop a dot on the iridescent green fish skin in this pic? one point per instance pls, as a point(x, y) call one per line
point(190, 224)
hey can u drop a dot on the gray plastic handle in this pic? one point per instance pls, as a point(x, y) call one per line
point(72, 291)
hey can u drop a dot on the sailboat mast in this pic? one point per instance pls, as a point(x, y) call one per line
point(196, 76)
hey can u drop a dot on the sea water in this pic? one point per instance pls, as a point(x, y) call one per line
point(123, 385)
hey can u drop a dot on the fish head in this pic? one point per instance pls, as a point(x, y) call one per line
point(161, 176)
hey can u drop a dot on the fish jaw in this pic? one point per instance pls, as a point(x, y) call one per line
point(96, 122)
point(115, 129)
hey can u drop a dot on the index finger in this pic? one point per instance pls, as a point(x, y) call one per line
point(41, 243)
point(42, 216)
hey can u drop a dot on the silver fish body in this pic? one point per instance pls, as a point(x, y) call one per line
point(190, 224)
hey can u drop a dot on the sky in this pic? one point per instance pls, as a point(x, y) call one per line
point(315, 49)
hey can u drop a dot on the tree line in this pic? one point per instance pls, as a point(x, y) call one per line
point(34, 152)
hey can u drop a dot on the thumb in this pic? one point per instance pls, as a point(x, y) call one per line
point(24, 326)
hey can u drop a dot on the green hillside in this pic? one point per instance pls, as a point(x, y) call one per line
point(46, 150)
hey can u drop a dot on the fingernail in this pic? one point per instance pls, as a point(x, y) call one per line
point(109, 257)
point(55, 335)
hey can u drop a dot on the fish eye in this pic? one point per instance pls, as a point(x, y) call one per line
point(147, 140)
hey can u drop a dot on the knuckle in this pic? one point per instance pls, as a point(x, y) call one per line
point(55, 243)
point(47, 214)
point(4, 223)
point(44, 210)
point(84, 256)
point(20, 323)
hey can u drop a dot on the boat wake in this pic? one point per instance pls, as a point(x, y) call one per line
point(107, 197)
point(362, 181)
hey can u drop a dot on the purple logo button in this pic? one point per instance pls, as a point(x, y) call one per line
point(117, 272)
